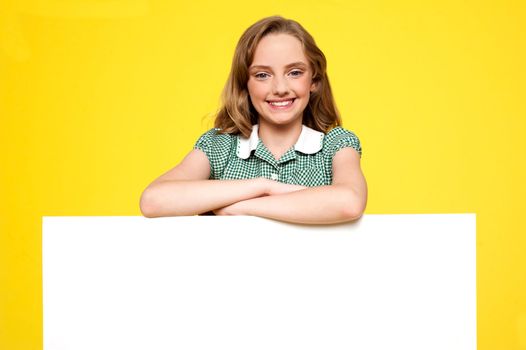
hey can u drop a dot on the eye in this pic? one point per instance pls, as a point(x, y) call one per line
point(260, 75)
point(296, 73)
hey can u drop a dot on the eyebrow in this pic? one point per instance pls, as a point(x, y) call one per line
point(299, 63)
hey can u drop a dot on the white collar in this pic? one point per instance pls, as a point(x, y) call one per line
point(309, 142)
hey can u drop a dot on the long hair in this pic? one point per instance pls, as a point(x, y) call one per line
point(237, 114)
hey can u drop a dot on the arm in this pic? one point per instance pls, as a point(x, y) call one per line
point(186, 190)
point(344, 200)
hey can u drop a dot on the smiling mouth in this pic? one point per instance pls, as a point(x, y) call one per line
point(281, 104)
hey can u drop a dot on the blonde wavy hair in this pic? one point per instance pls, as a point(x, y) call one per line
point(237, 114)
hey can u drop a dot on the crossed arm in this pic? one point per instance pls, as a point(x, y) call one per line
point(186, 190)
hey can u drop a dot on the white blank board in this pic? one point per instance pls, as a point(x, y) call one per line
point(205, 282)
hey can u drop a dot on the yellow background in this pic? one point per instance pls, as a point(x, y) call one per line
point(97, 98)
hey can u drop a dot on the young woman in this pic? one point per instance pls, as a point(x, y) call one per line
point(277, 149)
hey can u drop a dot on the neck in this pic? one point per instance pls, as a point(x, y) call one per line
point(279, 138)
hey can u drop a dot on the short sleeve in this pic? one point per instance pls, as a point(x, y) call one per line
point(339, 138)
point(217, 148)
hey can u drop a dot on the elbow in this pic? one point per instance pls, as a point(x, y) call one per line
point(148, 204)
point(155, 203)
point(354, 207)
point(352, 213)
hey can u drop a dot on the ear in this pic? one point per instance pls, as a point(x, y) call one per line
point(314, 86)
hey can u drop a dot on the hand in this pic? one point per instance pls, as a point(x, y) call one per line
point(271, 188)
point(220, 211)
point(228, 210)
point(276, 188)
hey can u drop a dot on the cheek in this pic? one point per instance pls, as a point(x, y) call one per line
point(303, 86)
point(254, 96)
point(254, 90)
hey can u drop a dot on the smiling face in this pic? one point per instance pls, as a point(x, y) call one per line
point(280, 80)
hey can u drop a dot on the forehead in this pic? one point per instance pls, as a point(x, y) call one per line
point(277, 50)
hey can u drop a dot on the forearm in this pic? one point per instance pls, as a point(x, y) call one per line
point(190, 197)
point(315, 205)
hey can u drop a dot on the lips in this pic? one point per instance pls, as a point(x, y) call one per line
point(281, 104)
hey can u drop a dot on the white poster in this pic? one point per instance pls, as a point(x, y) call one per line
point(237, 282)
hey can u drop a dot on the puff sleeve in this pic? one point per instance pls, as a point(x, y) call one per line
point(339, 138)
point(217, 148)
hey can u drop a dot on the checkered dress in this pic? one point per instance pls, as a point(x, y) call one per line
point(294, 167)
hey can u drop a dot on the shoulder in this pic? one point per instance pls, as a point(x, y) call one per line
point(338, 138)
point(214, 140)
point(218, 148)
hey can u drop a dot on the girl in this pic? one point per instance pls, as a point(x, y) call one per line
point(277, 150)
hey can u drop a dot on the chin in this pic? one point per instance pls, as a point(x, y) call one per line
point(279, 122)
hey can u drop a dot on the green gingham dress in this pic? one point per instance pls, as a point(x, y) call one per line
point(307, 163)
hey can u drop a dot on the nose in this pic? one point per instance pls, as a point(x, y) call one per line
point(280, 86)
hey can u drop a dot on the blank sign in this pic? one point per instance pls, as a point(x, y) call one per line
point(238, 282)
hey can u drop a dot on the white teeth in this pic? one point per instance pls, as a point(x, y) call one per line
point(283, 103)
